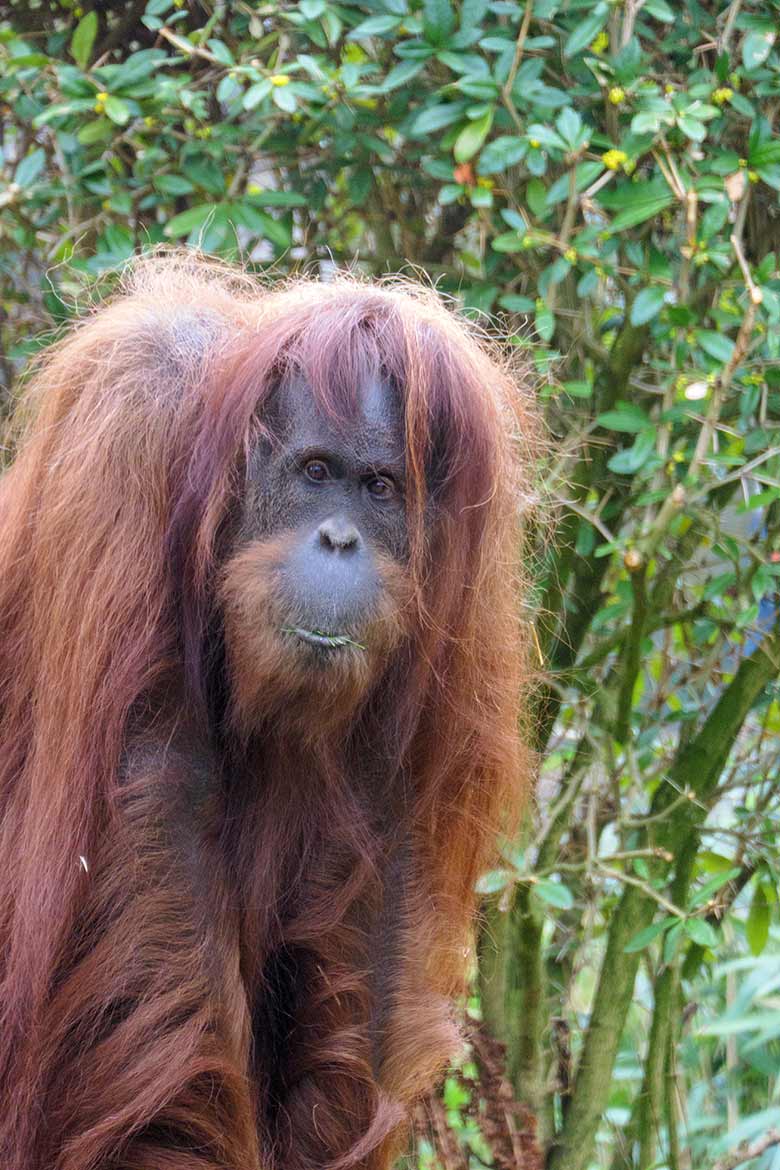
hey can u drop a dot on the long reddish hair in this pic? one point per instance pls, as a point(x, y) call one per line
point(132, 1007)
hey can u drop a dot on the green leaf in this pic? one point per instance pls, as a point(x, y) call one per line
point(221, 52)
point(256, 93)
point(765, 154)
point(647, 304)
point(374, 26)
point(472, 136)
point(671, 940)
point(553, 893)
point(569, 126)
point(513, 303)
point(228, 89)
point(700, 931)
point(646, 936)
point(632, 459)
point(98, 131)
point(137, 68)
point(641, 208)
point(692, 128)
point(83, 39)
point(545, 136)
point(283, 96)
point(30, 167)
point(494, 881)
point(509, 242)
point(589, 28)
point(438, 21)
point(626, 418)
point(578, 389)
point(501, 153)
point(401, 74)
point(117, 110)
point(758, 919)
point(660, 10)
point(480, 197)
point(584, 175)
point(205, 172)
point(271, 198)
point(436, 117)
point(770, 175)
point(173, 185)
point(189, 220)
point(536, 198)
point(63, 110)
point(705, 892)
point(756, 47)
point(544, 320)
point(715, 344)
point(261, 223)
point(451, 193)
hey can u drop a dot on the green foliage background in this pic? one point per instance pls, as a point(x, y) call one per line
point(603, 180)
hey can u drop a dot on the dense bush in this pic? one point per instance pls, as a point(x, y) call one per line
point(602, 179)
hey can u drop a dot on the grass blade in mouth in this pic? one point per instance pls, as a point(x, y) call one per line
point(334, 640)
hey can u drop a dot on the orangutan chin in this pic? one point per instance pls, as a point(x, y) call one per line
point(260, 668)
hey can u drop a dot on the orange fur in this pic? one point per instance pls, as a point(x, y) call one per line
point(237, 946)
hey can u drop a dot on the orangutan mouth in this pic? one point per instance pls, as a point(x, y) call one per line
point(321, 638)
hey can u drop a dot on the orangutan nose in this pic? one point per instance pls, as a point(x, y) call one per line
point(338, 535)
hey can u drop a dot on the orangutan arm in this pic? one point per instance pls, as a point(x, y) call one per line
point(148, 1037)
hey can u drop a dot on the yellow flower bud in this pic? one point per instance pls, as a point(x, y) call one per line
point(614, 159)
point(617, 95)
point(279, 79)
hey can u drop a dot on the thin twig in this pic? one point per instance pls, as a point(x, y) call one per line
point(741, 346)
point(506, 92)
point(746, 1151)
point(189, 50)
point(643, 886)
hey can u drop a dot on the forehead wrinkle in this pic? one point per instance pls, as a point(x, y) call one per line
point(374, 436)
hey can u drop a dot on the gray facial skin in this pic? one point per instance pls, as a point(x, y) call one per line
point(337, 485)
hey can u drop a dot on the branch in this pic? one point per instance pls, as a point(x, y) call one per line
point(741, 345)
point(506, 91)
point(188, 49)
point(748, 1150)
point(632, 657)
point(696, 769)
point(587, 573)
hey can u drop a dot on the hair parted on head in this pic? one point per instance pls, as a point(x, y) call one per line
point(132, 442)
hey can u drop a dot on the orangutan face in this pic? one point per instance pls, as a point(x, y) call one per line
point(323, 543)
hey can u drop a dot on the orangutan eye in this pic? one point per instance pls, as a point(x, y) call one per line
point(381, 488)
point(316, 471)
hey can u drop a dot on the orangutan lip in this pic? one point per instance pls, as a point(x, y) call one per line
point(320, 638)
